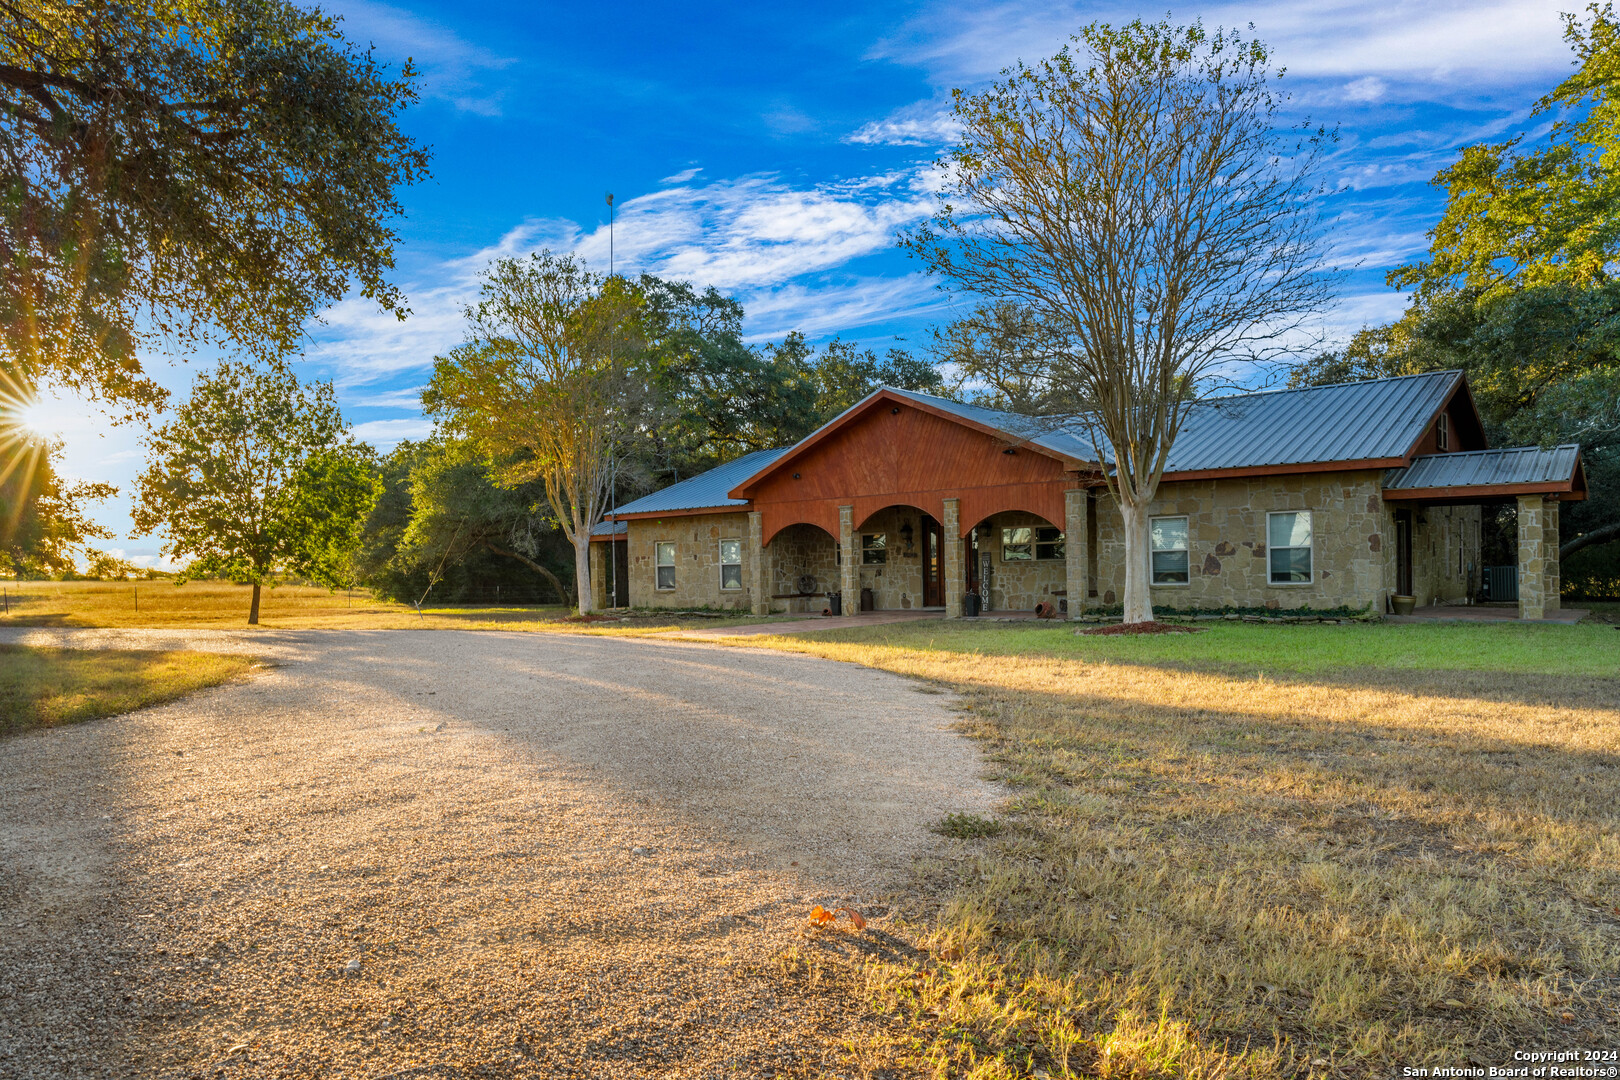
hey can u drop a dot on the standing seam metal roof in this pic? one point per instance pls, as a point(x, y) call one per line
point(1481, 468)
point(1358, 421)
point(706, 491)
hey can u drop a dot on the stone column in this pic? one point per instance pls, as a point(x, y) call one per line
point(599, 574)
point(759, 564)
point(955, 578)
point(849, 570)
point(1552, 568)
point(1075, 559)
point(1532, 557)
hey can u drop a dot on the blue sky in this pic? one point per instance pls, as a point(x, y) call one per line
point(776, 151)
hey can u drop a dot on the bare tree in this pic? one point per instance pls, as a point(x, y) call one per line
point(1141, 201)
point(540, 383)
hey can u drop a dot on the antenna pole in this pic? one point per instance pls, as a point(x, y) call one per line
point(610, 233)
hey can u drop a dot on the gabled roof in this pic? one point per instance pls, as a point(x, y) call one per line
point(1523, 470)
point(706, 491)
point(1377, 421)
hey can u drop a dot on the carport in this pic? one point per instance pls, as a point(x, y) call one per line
point(1538, 479)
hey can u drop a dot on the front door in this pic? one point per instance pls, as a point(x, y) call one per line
point(933, 563)
point(1403, 552)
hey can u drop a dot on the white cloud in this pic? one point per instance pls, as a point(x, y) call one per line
point(757, 231)
point(409, 397)
point(453, 69)
point(769, 242)
point(683, 176)
point(384, 434)
point(1450, 44)
point(1366, 90)
point(913, 126)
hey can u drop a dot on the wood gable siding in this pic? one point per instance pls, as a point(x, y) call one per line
point(911, 457)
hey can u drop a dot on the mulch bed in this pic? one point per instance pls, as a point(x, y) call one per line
point(1144, 628)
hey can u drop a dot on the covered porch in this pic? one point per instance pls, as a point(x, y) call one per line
point(1535, 480)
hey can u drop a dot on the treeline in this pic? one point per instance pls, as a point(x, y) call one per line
point(1519, 290)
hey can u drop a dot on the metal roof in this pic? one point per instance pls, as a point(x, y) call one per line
point(611, 528)
point(705, 491)
point(1357, 421)
point(1488, 468)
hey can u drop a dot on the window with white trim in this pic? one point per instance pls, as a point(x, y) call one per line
point(664, 557)
point(1442, 432)
point(731, 564)
point(1288, 547)
point(1168, 550)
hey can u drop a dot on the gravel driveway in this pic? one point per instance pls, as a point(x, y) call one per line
point(444, 854)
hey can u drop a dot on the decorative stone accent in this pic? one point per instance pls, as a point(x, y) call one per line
point(759, 563)
point(849, 585)
point(1076, 504)
point(1532, 557)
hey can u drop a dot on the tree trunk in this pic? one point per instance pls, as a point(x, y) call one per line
point(582, 568)
point(1138, 603)
point(562, 593)
point(1591, 539)
point(253, 612)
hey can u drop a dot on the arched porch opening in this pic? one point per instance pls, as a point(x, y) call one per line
point(804, 566)
point(1014, 560)
point(900, 559)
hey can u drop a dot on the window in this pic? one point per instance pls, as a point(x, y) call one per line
point(1017, 544)
point(874, 548)
point(1048, 543)
point(1167, 539)
point(1442, 432)
point(1289, 542)
point(731, 564)
point(665, 558)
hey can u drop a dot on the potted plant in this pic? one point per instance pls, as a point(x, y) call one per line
point(1403, 604)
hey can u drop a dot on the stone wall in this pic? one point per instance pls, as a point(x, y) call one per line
point(1439, 535)
point(697, 561)
point(897, 583)
point(1022, 583)
point(799, 550)
point(1227, 563)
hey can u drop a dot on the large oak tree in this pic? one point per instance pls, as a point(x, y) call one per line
point(182, 171)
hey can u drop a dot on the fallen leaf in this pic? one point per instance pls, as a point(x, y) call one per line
point(1452, 1003)
point(854, 917)
point(820, 916)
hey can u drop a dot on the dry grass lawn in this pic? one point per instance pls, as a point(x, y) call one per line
point(44, 687)
point(1271, 851)
point(163, 604)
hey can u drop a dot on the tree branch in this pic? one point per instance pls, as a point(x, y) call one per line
point(536, 567)
point(1592, 539)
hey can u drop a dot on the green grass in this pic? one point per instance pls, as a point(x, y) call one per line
point(46, 687)
point(1587, 648)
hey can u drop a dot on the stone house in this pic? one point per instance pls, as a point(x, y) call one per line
point(1327, 498)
